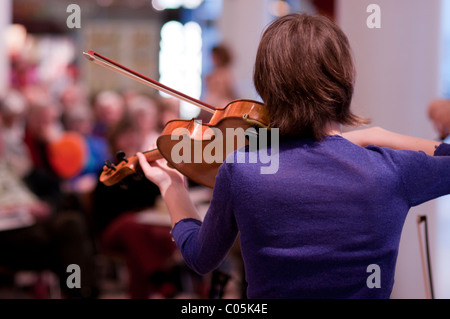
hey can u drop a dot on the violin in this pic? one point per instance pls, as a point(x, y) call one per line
point(240, 114)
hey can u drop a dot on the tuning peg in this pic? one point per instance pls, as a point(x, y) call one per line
point(110, 165)
point(121, 156)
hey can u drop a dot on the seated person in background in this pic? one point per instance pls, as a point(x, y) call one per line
point(13, 109)
point(169, 109)
point(109, 108)
point(439, 113)
point(145, 111)
point(42, 127)
point(220, 83)
point(80, 119)
point(35, 235)
point(147, 248)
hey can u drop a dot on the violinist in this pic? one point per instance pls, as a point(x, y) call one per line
point(334, 208)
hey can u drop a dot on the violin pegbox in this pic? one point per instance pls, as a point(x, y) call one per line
point(114, 173)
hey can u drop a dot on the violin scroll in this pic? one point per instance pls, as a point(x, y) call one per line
point(115, 173)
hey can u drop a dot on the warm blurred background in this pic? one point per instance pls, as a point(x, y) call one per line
point(63, 116)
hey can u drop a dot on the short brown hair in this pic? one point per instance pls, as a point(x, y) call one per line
point(305, 74)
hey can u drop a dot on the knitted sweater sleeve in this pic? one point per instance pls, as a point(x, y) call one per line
point(205, 244)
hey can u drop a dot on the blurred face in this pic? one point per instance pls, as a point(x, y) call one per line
point(109, 109)
point(72, 96)
point(43, 122)
point(147, 119)
point(170, 112)
point(129, 141)
point(81, 125)
point(110, 113)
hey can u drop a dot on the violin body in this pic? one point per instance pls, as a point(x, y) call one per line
point(202, 167)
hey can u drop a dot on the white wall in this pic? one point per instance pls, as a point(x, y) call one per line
point(398, 75)
point(5, 20)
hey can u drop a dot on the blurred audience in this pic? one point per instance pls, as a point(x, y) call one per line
point(43, 127)
point(13, 109)
point(23, 72)
point(72, 96)
point(148, 249)
point(50, 219)
point(38, 232)
point(80, 119)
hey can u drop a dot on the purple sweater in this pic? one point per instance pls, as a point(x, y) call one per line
point(312, 229)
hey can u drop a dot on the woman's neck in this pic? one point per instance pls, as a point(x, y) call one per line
point(333, 128)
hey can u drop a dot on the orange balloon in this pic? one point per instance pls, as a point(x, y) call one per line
point(68, 155)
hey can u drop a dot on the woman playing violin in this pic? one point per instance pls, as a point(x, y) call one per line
point(334, 208)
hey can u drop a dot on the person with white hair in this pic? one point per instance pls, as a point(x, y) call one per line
point(109, 108)
point(13, 108)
